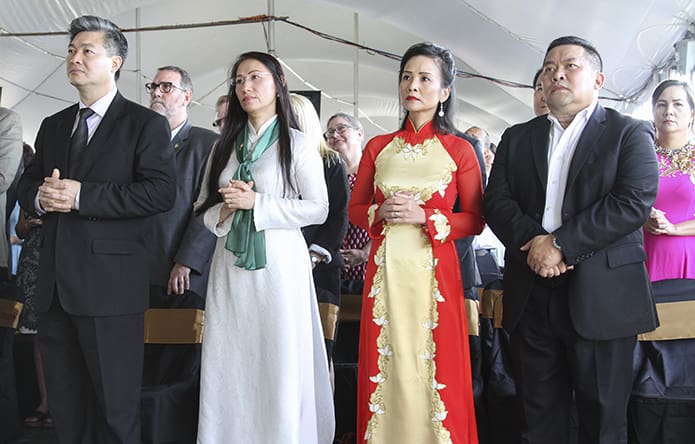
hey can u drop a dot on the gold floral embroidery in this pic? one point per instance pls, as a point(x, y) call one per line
point(371, 213)
point(441, 226)
point(380, 318)
point(438, 409)
point(412, 152)
point(413, 155)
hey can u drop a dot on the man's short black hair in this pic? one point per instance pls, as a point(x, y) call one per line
point(591, 52)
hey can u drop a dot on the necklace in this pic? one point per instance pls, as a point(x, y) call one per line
point(678, 159)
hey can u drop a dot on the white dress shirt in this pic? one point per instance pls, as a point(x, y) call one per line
point(561, 145)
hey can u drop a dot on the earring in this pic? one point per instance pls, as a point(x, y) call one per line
point(441, 110)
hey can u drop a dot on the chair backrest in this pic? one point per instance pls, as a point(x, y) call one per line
point(675, 322)
point(675, 306)
point(350, 307)
point(174, 326)
point(491, 302)
point(9, 313)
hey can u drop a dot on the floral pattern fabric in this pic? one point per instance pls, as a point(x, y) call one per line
point(414, 376)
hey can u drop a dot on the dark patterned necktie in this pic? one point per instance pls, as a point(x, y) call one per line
point(79, 141)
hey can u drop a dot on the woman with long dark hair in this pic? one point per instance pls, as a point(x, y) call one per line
point(669, 234)
point(414, 376)
point(264, 376)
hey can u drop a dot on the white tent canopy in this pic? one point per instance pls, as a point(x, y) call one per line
point(502, 39)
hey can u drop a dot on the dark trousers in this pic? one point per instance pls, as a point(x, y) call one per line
point(93, 371)
point(552, 362)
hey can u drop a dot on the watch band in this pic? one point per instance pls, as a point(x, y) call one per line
point(555, 244)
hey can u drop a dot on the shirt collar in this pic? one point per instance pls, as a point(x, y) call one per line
point(583, 114)
point(102, 105)
point(252, 132)
point(176, 130)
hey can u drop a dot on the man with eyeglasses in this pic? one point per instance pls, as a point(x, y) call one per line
point(181, 245)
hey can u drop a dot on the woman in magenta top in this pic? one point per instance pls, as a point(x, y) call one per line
point(669, 234)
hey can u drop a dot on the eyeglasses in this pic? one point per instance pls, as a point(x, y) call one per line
point(340, 129)
point(217, 122)
point(164, 87)
point(253, 77)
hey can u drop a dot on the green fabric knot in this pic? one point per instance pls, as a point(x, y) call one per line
point(243, 239)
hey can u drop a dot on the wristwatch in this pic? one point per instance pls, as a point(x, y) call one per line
point(556, 245)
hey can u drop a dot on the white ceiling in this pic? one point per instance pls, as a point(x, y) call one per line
point(504, 39)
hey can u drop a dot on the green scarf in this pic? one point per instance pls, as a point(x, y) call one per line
point(243, 239)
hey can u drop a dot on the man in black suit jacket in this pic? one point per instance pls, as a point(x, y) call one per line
point(93, 281)
point(568, 195)
point(181, 246)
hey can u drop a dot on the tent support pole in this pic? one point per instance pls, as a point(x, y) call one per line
point(138, 57)
point(271, 28)
point(356, 70)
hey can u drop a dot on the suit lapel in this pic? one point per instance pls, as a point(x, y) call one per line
point(179, 141)
point(587, 144)
point(539, 144)
point(100, 140)
point(64, 134)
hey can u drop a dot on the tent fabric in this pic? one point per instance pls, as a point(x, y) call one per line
point(496, 38)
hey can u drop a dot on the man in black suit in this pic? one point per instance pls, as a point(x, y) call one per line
point(568, 195)
point(181, 246)
point(97, 176)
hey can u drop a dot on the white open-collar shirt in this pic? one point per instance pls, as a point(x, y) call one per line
point(562, 142)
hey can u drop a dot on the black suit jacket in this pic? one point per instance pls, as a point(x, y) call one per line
point(95, 257)
point(330, 234)
point(611, 186)
point(177, 235)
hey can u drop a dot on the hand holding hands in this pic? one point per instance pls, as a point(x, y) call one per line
point(658, 223)
point(237, 195)
point(58, 195)
point(354, 256)
point(543, 258)
point(401, 208)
